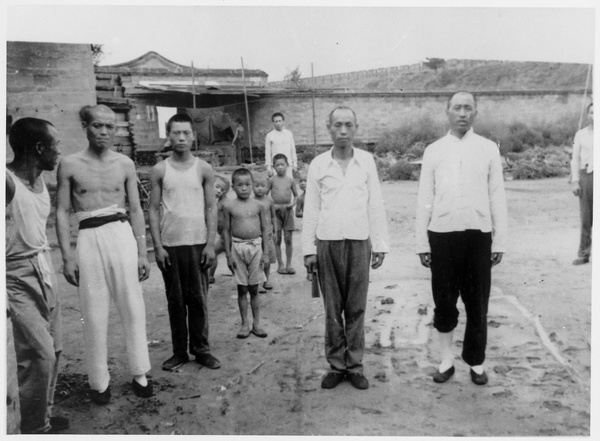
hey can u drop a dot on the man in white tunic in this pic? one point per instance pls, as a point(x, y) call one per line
point(280, 140)
point(461, 232)
point(110, 259)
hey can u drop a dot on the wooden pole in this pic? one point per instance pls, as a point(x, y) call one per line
point(194, 105)
point(247, 112)
point(312, 76)
point(587, 82)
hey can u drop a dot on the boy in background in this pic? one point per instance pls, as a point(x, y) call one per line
point(245, 234)
point(221, 189)
point(261, 188)
point(300, 200)
point(284, 193)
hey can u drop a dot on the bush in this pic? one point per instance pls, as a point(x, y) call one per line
point(399, 140)
point(539, 162)
point(403, 170)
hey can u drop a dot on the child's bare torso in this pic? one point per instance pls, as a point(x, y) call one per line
point(281, 189)
point(267, 203)
point(245, 221)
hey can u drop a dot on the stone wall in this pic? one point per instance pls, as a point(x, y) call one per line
point(51, 81)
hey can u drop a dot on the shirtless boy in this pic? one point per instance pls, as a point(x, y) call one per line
point(245, 234)
point(221, 188)
point(284, 193)
point(110, 259)
point(261, 188)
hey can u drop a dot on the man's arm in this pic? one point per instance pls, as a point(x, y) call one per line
point(63, 227)
point(424, 209)
point(312, 209)
point(498, 209)
point(273, 217)
point(210, 214)
point(294, 157)
point(575, 165)
point(10, 190)
point(156, 177)
point(268, 158)
point(138, 224)
point(378, 230)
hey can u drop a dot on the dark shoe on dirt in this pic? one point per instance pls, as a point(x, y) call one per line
point(142, 391)
point(101, 397)
point(442, 377)
point(58, 424)
point(208, 361)
point(479, 379)
point(581, 261)
point(176, 361)
point(358, 380)
point(332, 379)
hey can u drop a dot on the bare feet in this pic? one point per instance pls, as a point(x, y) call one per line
point(259, 332)
point(244, 331)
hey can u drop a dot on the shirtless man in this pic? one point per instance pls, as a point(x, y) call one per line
point(110, 259)
point(245, 234)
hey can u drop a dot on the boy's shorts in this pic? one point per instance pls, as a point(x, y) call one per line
point(285, 217)
point(247, 255)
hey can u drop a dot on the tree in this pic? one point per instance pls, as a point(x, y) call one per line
point(97, 53)
point(293, 77)
point(434, 63)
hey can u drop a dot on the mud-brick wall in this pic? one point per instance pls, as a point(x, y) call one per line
point(379, 112)
point(51, 81)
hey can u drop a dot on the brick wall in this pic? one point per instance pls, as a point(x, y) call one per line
point(51, 81)
point(378, 112)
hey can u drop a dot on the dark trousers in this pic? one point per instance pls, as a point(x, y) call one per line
point(343, 267)
point(461, 265)
point(586, 208)
point(186, 284)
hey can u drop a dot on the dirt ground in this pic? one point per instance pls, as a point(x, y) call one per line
point(538, 361)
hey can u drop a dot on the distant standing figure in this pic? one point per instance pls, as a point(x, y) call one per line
point(280, 140)
point(221, 188)
point(183, 223)
point(461, 232)
point(238, 141)
point(261, 188)
point(110, 260)
point(582, 179)
point(31, 287)
point(344, 232)
point(246, 234)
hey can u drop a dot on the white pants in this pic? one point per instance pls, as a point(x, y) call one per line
point(107, 257)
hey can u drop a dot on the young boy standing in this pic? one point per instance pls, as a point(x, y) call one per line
point(284, 193)
point(183, 223)
point(221, 189)
point(300, 200)
point(261, 188)
point(245, 234)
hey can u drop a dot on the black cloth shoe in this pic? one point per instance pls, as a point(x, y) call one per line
point(332, 379)
point(142, 391)
point(581, 261)
point(208, 361)
point(101, 397)
point(358, 380)
point(176, 361)
point(58, 423)
point(479, 379)
point(442, 377)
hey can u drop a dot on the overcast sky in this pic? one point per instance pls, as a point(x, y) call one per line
point(335, 39)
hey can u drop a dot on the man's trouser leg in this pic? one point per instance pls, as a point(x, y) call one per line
point(343, 267)
point(586, 207)
point(33, 307)
point(108, 259)
point(461, 265)
point(187, 286)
